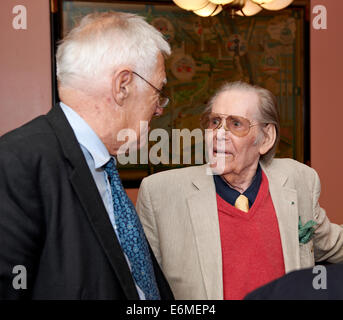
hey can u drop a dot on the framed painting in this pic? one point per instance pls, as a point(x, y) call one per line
point(269, 49)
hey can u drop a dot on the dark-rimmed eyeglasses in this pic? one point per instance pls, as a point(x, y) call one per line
point(163, 99)
point(237, 125)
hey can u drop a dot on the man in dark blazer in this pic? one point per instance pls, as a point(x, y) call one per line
point(318, 283)
point(59, 232)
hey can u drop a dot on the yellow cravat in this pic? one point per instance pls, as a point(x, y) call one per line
point(242, 203)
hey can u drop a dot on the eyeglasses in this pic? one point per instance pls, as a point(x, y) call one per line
point(238, 126)
point(163, 99)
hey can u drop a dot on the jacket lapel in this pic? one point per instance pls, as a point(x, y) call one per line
point(87, 192)
point(285, 204)
point(203, 212)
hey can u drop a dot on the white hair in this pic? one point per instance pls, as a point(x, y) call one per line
point(102, 42)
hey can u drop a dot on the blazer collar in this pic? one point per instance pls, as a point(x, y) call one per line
point(87, 192)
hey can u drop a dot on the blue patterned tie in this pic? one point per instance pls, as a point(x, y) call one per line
point(131, 235)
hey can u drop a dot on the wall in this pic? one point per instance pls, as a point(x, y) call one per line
point(327, 107)
point(25, 82)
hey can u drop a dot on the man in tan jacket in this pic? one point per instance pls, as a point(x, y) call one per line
point(255, 218)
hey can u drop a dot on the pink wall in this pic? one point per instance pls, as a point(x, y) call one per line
point(327, 107)
point(25, 81)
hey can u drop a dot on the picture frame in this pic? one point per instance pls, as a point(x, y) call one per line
point(270, 49)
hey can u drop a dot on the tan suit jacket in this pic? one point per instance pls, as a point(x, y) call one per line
point(178, 210)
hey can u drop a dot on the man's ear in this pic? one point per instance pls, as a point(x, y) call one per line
point(120, 85)
point(269, 138)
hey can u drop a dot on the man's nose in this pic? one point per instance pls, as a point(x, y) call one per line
point(221, 133)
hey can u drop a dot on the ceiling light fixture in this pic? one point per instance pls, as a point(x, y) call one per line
point(207, 8)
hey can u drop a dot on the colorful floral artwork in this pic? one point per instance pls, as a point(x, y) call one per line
point(266, 49)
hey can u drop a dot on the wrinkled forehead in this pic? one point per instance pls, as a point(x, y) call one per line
point(237, 102)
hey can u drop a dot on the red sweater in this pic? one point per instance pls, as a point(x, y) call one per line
point(251, 245)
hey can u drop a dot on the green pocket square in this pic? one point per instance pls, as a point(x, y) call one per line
point(306, 231)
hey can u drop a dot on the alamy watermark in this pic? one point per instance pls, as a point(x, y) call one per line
point(19, 21)
point(320, 20)
point(173, 147)
point(19, 281)
point(320, 281)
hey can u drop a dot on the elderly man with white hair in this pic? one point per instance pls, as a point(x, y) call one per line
point(223, 229)
point(67, 228)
